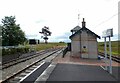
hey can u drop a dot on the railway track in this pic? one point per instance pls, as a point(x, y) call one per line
point(22, 59)
point(117, 59)
point(19, 76)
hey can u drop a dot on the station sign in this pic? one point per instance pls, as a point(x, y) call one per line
point(107, 33)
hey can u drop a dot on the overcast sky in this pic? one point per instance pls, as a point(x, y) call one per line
point(61, 16)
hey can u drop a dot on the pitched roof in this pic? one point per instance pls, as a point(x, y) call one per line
point(76, 29)
point(84, 28)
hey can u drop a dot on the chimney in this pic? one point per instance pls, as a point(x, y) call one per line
point(83, 23)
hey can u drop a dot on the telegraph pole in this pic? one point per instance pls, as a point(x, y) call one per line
point(78, 19)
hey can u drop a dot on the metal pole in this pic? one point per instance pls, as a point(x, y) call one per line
point(78, 18)
point(110, 66)
point(105, 54)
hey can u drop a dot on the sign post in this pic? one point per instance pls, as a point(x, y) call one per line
point(110, 56)
point(108, 33)
point(105, 52)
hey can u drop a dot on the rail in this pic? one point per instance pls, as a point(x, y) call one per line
point(19, 60)
point(114, 58)
point(7, 80)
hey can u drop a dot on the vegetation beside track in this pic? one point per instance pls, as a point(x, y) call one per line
point(29, 48)
point(11, 51)
point(115, 47)
point(43, 46)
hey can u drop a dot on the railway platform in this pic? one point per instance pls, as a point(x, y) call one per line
point(54, 68)
point(63, 72)
point(73, 70)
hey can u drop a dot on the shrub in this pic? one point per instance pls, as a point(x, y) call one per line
point(10, 51)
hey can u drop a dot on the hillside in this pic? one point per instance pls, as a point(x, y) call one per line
point(115, 47)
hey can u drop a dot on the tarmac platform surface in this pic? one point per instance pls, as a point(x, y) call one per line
point(70, 69)
point(73, 72)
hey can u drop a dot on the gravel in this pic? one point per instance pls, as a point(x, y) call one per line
point(13, 69)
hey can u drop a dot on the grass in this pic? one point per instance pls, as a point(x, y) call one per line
point(38, 47)
point(43, 46)
point(115, 47)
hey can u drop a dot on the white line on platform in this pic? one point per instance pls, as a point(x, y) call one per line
point(31, 72)
point(45, 75)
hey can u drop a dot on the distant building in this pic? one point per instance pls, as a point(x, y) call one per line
point(34, 41)
point(84, 42)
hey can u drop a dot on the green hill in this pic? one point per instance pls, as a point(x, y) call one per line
point(115, 47)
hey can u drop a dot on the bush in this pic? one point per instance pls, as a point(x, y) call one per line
point(26, 49)
point(13, 51)
point(5, 51)
point(9, 51)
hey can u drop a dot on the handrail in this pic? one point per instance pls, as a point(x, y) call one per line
point(65, 51)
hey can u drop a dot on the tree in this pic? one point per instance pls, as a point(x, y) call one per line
point(45, 32)
point(11, 33)
point(0, 35)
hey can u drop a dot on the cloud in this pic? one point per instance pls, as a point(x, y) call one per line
point(114, 38)
point(34, 15)
point(40, 21)
point(29, 36)
point(64, 38)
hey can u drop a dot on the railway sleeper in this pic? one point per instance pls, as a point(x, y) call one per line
point(28, 71)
